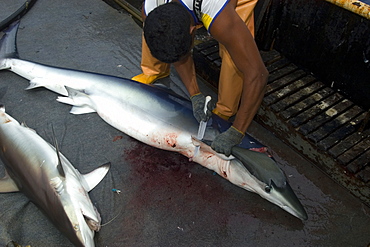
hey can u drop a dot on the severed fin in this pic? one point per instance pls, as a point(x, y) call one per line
point(261, 166)
point(42, 82)
point(7, 184)
point(93, 178)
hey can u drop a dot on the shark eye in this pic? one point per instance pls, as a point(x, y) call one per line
point(267, 189)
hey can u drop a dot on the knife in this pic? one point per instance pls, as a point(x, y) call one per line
point(202, 127)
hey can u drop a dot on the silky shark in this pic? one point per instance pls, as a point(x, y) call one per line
point(48, 179)
point(155, 117)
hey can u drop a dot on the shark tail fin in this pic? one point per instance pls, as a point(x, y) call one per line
point(8, 46)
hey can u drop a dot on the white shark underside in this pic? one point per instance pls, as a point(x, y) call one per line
point(155, 117)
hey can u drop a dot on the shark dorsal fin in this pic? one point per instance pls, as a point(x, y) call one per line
point(7, 184)
point(94, 177)
point(59, 166)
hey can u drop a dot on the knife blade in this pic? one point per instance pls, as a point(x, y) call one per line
point(202, 127)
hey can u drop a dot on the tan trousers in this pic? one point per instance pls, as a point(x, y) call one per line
point(231, 80)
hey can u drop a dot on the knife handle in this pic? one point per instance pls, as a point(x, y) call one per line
point(208, 99)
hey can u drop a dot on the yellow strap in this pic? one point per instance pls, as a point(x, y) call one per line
point(238, 130)
point(194, 95)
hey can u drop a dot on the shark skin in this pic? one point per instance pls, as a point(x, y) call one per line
point(37, 169)
point(155, 117)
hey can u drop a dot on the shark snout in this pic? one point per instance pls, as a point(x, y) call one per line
point(287, 200)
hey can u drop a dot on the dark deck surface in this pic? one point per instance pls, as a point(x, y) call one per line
point(165, 200)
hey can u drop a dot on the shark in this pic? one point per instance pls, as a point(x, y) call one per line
point(156, 117)
point(37, 169)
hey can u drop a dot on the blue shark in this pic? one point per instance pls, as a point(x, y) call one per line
point(157, 118)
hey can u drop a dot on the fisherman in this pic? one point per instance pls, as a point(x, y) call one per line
point(168, 35)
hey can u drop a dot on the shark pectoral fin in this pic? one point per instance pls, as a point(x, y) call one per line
point(42, 82)
point(93, 178)
point(80, 100)
point(7, 184)
point(81, 110)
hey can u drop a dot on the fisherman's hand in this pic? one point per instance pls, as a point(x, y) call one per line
point(198, 101)
point(226, 140)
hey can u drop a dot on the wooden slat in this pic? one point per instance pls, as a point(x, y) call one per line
point(306, 103)
point(354, 152)
point(284, 81)
point(341, 133)
point(276, 65)
point(213, 57)
point(282, 72)
point(329, 127)
point(359, 162)
point(316, 109)
point(297, 84)
point(348, 142)
point(324, 117)
point(364, 174)
point(210, 50)
point(269, 57)
point(296, 97)
point(204, 45)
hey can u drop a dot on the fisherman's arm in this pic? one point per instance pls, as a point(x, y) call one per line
point(186, 70)
point(232, 32)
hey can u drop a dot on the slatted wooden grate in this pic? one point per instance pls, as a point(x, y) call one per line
point(314, 119)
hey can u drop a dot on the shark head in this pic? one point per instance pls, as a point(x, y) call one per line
point(285, 198)
point(84, 227)
point(268, 180)
point(82, 214)
point(77, 218)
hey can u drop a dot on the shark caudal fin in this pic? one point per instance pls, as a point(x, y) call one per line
point(8, 46)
